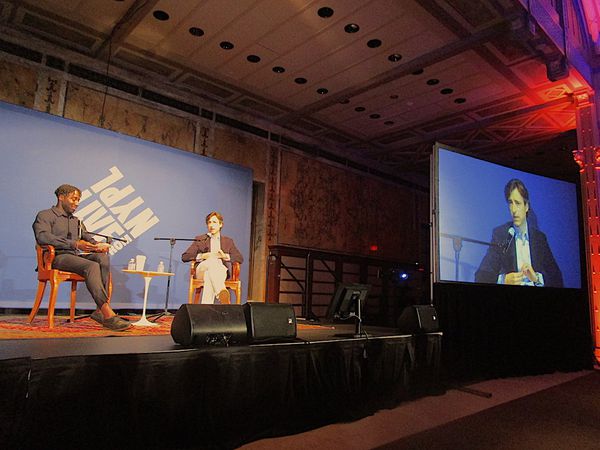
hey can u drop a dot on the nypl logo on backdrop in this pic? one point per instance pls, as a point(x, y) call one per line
point(115, 211)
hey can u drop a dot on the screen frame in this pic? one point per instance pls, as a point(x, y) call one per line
point(340, 306)
point(435, 212)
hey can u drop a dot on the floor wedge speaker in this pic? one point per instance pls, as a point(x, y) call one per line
point(270, 322)
point(195, 325)
point(418, 319)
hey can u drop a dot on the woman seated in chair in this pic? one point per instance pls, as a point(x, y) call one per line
point(216, 253)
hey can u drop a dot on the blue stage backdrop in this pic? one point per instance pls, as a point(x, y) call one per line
point(132, 189)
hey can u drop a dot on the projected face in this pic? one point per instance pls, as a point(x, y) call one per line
point(214, 225)
point(518, 208)
point(70, 201)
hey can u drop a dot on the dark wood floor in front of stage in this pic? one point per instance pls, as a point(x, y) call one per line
point(61, 347)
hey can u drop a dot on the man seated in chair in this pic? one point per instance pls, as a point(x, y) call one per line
point(78, 252)
point(216, 254)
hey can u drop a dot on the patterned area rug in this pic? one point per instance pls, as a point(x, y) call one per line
point(17, 327)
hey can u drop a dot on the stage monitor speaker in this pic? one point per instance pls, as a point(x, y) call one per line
point(418, 319)
point(270, 322)
point(195, 325)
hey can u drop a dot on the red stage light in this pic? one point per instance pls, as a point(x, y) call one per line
point(373, 247)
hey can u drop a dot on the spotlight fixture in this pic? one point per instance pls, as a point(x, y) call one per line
point(395, 57)
point(160, 15)
point(359, 109)
point(446, 91)
point(351, 28)
point(460, 100)
point(374, 43)
point(226, 45)
point(300, 80)
point(375, 116)
point(195, 31)
point(322, 91)
point(253, 58)
point(278, 69)
point(433, 81)
point(325, 12)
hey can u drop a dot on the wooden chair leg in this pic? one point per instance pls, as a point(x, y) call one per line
point(38, 300)
point(197, 295)
point(52, 302)
point(73, 299)
point(238, 294)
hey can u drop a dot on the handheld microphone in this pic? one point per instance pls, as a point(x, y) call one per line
point(511, 231)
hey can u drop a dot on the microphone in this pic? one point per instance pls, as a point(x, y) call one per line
point(511, 231)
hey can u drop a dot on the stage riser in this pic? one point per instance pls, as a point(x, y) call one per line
point(206, 397)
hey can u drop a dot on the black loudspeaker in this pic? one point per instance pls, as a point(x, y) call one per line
point(418, 319)
point(209, 325)
point(268, 322)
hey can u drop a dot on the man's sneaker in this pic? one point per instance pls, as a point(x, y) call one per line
point(223, 297)
point(97, 316)
point(115, 323)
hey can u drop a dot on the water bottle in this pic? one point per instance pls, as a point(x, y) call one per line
point(131, 264)
point(161, 267)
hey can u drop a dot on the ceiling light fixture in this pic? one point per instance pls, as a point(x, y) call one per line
point(433, 81)
point(446, 91)
point(460, 100)
point(351, 28)
point(278, 69)
point(325, 12)
point(374, 43)
point(395, 57)
point(226, 45)
point(160, 15)
point(195, 31)
point(300, 80)
point(322, 91)
point(375, 116)
point(253, 58)
point(359, 109)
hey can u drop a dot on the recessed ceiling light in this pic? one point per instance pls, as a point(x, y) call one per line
point(418, 72)
point(446, 91)
point(278, 69)
point(433, 81)
point(322, 91)
point(226, 45)
point(160, 15)
point(345, 101)
point(395, 57)
point(300, 80)
point(253, 58)
point(460, 100)
point(375, 116)
point(359, 109)
point(388, 122)
point(325, 12)
point(351, 28)
point(374, 43)
point(195, 31)
point(394, 96)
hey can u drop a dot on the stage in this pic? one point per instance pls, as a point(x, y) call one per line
point(147, 391)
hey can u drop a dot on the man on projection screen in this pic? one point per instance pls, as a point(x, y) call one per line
point(519, 254)
point(77, 251)
point(216, 254)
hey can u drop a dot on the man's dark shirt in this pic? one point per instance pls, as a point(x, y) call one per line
point(55, 227)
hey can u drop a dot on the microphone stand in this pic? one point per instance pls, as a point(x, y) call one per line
point(172, 242)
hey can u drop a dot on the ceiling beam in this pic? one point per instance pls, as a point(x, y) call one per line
point(126, 24)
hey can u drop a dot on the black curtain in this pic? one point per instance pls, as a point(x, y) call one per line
point(492, 331)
